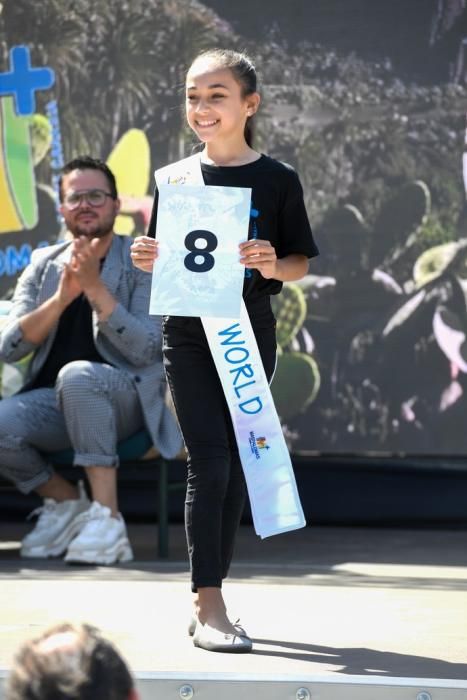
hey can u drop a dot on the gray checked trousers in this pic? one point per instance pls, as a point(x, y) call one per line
point(91, 408)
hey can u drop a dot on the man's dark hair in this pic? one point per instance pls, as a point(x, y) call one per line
point(81, 666)
point(88, 163)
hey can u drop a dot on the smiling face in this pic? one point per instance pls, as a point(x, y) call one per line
point(216, 109)
point(86, 220)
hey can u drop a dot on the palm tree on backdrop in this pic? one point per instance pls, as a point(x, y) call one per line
point(118, 65)
point(56, 34)
point(3, 44)
point(184, 28)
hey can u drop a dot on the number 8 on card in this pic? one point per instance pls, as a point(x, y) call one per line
point(199, 229)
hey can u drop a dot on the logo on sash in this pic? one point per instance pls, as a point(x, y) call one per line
point(257, 444)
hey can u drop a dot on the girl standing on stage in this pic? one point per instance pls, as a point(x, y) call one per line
point(221, 99)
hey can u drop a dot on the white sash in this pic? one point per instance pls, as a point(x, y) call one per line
point(269, 476)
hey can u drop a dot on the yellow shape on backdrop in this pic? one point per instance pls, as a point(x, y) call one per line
point(10, 218)
point(130, 162)
point(18, 200)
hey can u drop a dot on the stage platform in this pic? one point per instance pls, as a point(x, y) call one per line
point(354, 613)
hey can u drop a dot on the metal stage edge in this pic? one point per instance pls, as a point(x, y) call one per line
point(212, 686)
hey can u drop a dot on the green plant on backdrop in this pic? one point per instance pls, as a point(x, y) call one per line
point(296, 379)
point(378, 157)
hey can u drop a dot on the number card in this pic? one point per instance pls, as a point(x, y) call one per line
point(199, 229)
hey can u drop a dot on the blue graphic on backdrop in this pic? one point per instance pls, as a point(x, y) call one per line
point(57, 161)
point(22, 81)
point(13, 260)
point(27, 210)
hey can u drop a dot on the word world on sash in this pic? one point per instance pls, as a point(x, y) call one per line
point(237, 354)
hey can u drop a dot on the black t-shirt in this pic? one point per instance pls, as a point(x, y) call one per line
point(74, 341)
point(278, 214)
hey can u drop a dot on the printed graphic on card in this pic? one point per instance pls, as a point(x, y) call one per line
point(197, 272)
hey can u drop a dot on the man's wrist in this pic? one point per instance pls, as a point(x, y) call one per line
point(101, 301)
point(58, 303)
point(94, 289)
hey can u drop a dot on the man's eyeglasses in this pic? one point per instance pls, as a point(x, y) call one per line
point(95, 198)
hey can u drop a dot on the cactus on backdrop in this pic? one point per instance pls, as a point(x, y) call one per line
point(435, 261)
point(290, 311)
point(403, 212)
point(41, 136)
point(296, 381)
point(396, 244)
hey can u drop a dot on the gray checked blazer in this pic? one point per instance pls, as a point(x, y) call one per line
point(129, 339)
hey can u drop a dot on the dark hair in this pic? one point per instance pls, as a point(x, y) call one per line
point(87, 669)
point(244, 73)
point(88, 163)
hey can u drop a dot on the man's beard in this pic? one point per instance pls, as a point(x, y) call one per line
point(95, 229)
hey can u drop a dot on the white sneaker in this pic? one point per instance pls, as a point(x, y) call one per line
point(56, 526)
point(102, 538)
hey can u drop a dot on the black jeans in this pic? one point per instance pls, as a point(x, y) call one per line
point(216, 490)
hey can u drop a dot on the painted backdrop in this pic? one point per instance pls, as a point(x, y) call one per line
point(366, 98)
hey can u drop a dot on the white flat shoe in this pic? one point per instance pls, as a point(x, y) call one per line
point(194, 620)
point(192, 624)
point(210, 639)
